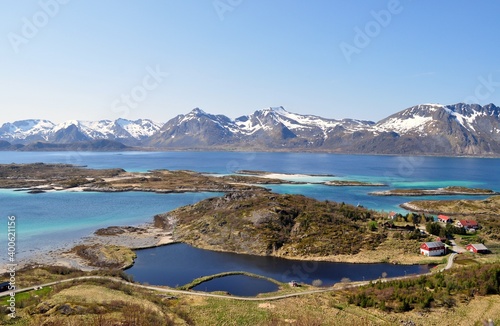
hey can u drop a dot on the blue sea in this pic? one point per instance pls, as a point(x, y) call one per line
point(57, 219)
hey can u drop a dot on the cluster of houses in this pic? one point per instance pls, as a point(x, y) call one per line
point(438, 248)
point(468, 225)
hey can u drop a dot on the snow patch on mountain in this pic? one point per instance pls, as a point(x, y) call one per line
point(141, 128)
point(416, 122)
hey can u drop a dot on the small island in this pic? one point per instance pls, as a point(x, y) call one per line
point(40, 177)
point(266, 173)
point(279, 178)
point(447, 191)
point(352, 183)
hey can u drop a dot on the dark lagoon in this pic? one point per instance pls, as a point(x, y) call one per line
point(240, 285)
point(178, 264)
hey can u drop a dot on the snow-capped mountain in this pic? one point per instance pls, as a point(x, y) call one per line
point(461, 128)
point(268, 118)
point(430, 129)
point(26, 130)
point(194, 130)
point(126, 131)
point(418, 118)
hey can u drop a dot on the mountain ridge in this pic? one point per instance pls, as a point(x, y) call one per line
point(424, 129)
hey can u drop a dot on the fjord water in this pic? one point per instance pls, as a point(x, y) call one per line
point(54, 219)
point(394, 171)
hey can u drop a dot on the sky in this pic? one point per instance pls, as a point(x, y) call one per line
point(90, 60)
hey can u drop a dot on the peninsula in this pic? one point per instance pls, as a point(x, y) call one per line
point(447, 191)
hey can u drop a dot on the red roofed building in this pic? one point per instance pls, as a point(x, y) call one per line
point(468, 224)
point(444, 219)
point(477, 248)
point(435, 248)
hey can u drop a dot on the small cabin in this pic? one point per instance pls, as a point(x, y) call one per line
point(392, 215)
point(444, 219)
point(436, 248)
point(477, 248)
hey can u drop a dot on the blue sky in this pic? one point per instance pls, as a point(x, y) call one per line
point(89, 60)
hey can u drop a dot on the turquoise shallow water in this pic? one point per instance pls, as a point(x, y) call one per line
point(53, 219)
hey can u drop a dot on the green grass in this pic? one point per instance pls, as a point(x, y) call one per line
point(226, 312)
point(26, 295)
point(466, 262)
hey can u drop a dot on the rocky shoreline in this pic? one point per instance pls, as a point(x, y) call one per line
point(141, 237)
point(448, 191)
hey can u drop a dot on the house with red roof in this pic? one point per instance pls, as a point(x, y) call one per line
point(436, 248)
point(444, 219)
point(477, 248)
point(468, 224)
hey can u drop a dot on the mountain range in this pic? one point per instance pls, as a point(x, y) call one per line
point(427, 129)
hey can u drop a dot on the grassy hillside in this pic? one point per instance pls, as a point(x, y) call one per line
point(271, 224)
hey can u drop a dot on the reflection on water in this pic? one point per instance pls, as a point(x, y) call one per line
point(178, 264)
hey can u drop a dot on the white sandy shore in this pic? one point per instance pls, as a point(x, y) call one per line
point(148, 236)
point(295, 177)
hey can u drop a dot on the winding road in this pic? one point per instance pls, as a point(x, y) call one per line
point(450, 261)
point(169, 290)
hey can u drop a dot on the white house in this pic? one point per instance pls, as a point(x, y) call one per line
point(436, 248)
